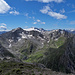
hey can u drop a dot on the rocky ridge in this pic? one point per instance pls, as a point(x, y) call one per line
point(51, 48)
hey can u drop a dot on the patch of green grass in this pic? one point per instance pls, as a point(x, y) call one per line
point(35, 57)
point(28, 69)
point(57, 43)
point(60, 41)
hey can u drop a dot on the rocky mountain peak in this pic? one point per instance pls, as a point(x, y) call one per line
point(17, 29)
point(34, 43)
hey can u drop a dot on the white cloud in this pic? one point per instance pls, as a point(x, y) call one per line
point(33, 17)
point(3, 26)
point(25, 22)
point(48, 11)
point(57, 15)
point(43, 23)
point(4, 7)
point(35, 23)
point(14, 12)
point(45, 9)
point(62, 11)
point(38, 20)
point(72, 22)
point(26, 14)
point(47, 1)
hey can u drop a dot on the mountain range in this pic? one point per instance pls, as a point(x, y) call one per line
point(53, 48)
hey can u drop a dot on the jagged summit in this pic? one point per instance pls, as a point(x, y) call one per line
point(17, 29)
point(39, 45)
point(35, 29)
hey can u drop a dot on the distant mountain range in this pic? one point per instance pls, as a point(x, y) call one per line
point(53, 48)
point(40, 30)
point(1, 32)
point(72, 31)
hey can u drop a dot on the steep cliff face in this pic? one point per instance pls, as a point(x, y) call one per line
point(22, 43)
point(68, 58)
point(4, 53)
point(62, 58)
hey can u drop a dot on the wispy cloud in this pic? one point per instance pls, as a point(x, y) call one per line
point(43, 23)
point(73, 5)
point(71, 11)
point(14, 12)
point(35, 23)
point(57, 15)
point(38, 22)
point(3, 26)
point(26, 14)
point(25, 22)
point(72, 22)
point(62, 11)
point(47, 10)
point(4, 7)
point(47, 1)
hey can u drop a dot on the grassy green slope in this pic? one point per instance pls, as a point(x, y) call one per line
point(45, 51)
point(50, 56)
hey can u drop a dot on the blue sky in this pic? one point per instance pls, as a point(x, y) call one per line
point(47, 14)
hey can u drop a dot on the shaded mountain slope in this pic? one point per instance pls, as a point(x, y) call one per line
point(4, 53)
point(58, 59)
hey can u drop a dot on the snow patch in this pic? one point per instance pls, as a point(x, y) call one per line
point(10, 40)
point(47, 41)
point(23, 35)
point(18, 38)
point(40, 38)
point(9, 45)
point(30, 29)
point(62, 32)
point(42, 43)
point(30, 36)
point(72, 30)
point(44, 37)
point(56, 39)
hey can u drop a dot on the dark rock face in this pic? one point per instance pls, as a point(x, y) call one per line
point(19, 39)
point(59, 33)
point(4, 53)
point(35, 33)
point(63, 58)
point(13, 34)
point(68, 58)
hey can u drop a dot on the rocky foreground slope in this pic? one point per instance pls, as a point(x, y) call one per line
point(19, 68)
point(55, 49)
